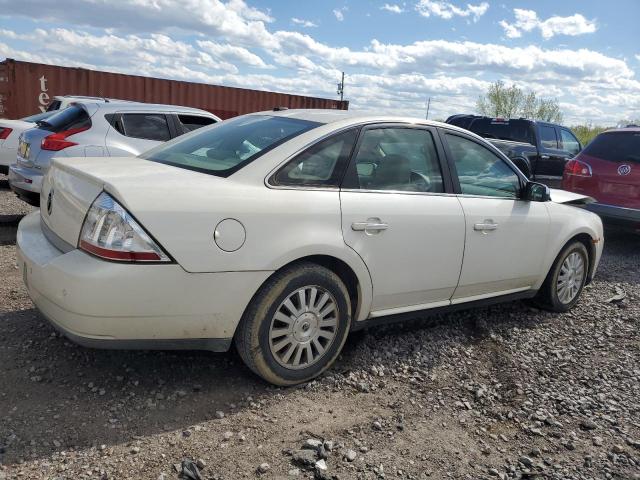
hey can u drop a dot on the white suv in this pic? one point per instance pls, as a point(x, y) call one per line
point(97, 129)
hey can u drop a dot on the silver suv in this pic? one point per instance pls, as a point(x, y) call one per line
point(97, 129)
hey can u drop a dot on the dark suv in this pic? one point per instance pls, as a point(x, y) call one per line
point(539, 149)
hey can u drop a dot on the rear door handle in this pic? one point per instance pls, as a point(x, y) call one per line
point(368, 226)
point(486, 226)
point(544, 157)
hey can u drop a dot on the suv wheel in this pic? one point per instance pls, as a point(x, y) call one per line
point(296, 325)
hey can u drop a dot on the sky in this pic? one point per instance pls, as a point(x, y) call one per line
point(395, 55)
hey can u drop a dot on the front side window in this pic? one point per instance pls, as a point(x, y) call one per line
point(323, 164)
point(228, 146)
point(147, 126)
point(480, 171)
point(569, 142)
point(396, 158)
point(548, 137)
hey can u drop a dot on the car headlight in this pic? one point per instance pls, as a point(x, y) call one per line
point(110, 232)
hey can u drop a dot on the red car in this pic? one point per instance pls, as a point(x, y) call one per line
point(608, 169)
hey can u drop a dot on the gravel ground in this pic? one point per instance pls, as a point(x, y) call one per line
point(501, 392)
point(9, 203)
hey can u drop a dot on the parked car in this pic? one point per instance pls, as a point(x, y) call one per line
point(88, 129)
point(540, 149)
point(10, 131)
point(284, 231)
point(608, 169)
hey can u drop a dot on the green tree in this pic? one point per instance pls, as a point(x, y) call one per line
point(512, 102)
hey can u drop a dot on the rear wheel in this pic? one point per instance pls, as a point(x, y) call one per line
point(566, 279)
point(296, 325)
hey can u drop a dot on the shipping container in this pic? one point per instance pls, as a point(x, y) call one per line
point(27, 88)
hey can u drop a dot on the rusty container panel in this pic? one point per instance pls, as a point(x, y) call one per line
point(27, 88)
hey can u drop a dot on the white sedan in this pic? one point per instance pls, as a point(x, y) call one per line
point(283, 231)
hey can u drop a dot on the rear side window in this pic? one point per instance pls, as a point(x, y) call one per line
point(147, 126)
point(512, 130)
point(615, 147)
point(323, 164)
point(70, 118)
point(194, 122)
point(548, 137)
point(54, 105)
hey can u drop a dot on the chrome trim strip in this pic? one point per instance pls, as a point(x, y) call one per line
point(55, 240)
point(410, 308)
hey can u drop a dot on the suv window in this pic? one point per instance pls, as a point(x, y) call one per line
point(397, 158)
point(480, 171)
point(323, 164)
point(194, 122)
point(548, 137)
point(513, 130)
point(67, 119)
point(569, 142)
point(148, 126)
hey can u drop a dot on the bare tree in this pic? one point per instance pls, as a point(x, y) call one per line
point(511, 102)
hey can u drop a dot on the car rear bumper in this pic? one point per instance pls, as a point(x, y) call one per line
point(26, 183)
point(615, 213)
point(112, 305)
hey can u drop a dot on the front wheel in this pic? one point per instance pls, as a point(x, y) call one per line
point(296, 325)
point(566, 279)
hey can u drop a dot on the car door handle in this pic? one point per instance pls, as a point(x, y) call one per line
point(368, 226)
point(544, 157)
point(486, 226)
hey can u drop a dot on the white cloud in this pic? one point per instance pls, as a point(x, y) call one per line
point(528, 20)
point(339, 13)
point(393, 8)
point(447, 10)
point(303, 23)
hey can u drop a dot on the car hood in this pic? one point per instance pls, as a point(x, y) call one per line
point(570, 198)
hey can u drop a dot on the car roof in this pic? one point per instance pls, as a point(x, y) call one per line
point(623, 129)
point(113, 106)
point(346, 117)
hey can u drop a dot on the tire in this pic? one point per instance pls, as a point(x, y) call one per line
point(269, 323)
point(551, 296)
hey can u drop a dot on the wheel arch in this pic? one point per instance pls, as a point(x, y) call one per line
point(587, 240)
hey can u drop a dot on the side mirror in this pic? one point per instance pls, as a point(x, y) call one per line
point(537, 192)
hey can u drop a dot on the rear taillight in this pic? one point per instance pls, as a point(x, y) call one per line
point(110, 232)
point(5, 132)
point(577, 169)
point(58, 141)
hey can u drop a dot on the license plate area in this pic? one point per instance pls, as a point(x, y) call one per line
point(24, 149)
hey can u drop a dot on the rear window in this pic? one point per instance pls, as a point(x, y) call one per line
point(69, 118)
point(512, 130)
point(230, 145)
point(54, 105)
point(615, 146)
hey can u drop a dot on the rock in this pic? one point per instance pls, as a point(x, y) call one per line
point(493, 472)
point(264, 468)
point(597, 441)
point(219, 414)
point(201, 464)
point(588, 424)
point(350, 455)
point(329, 445)
point(135, 450)
point(376, 425)
point(312, 444)
point(617, 449)
point(294, 472)
point(304, 458)
point(321, 465)
point(526, 461)
point(227, 436)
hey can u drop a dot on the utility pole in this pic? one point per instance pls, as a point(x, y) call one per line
point(428, 105)
point(341, 88)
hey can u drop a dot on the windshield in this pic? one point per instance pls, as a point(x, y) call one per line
point(513, 130)
point(228, 146)
point(37, 117)
point(615, 146)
